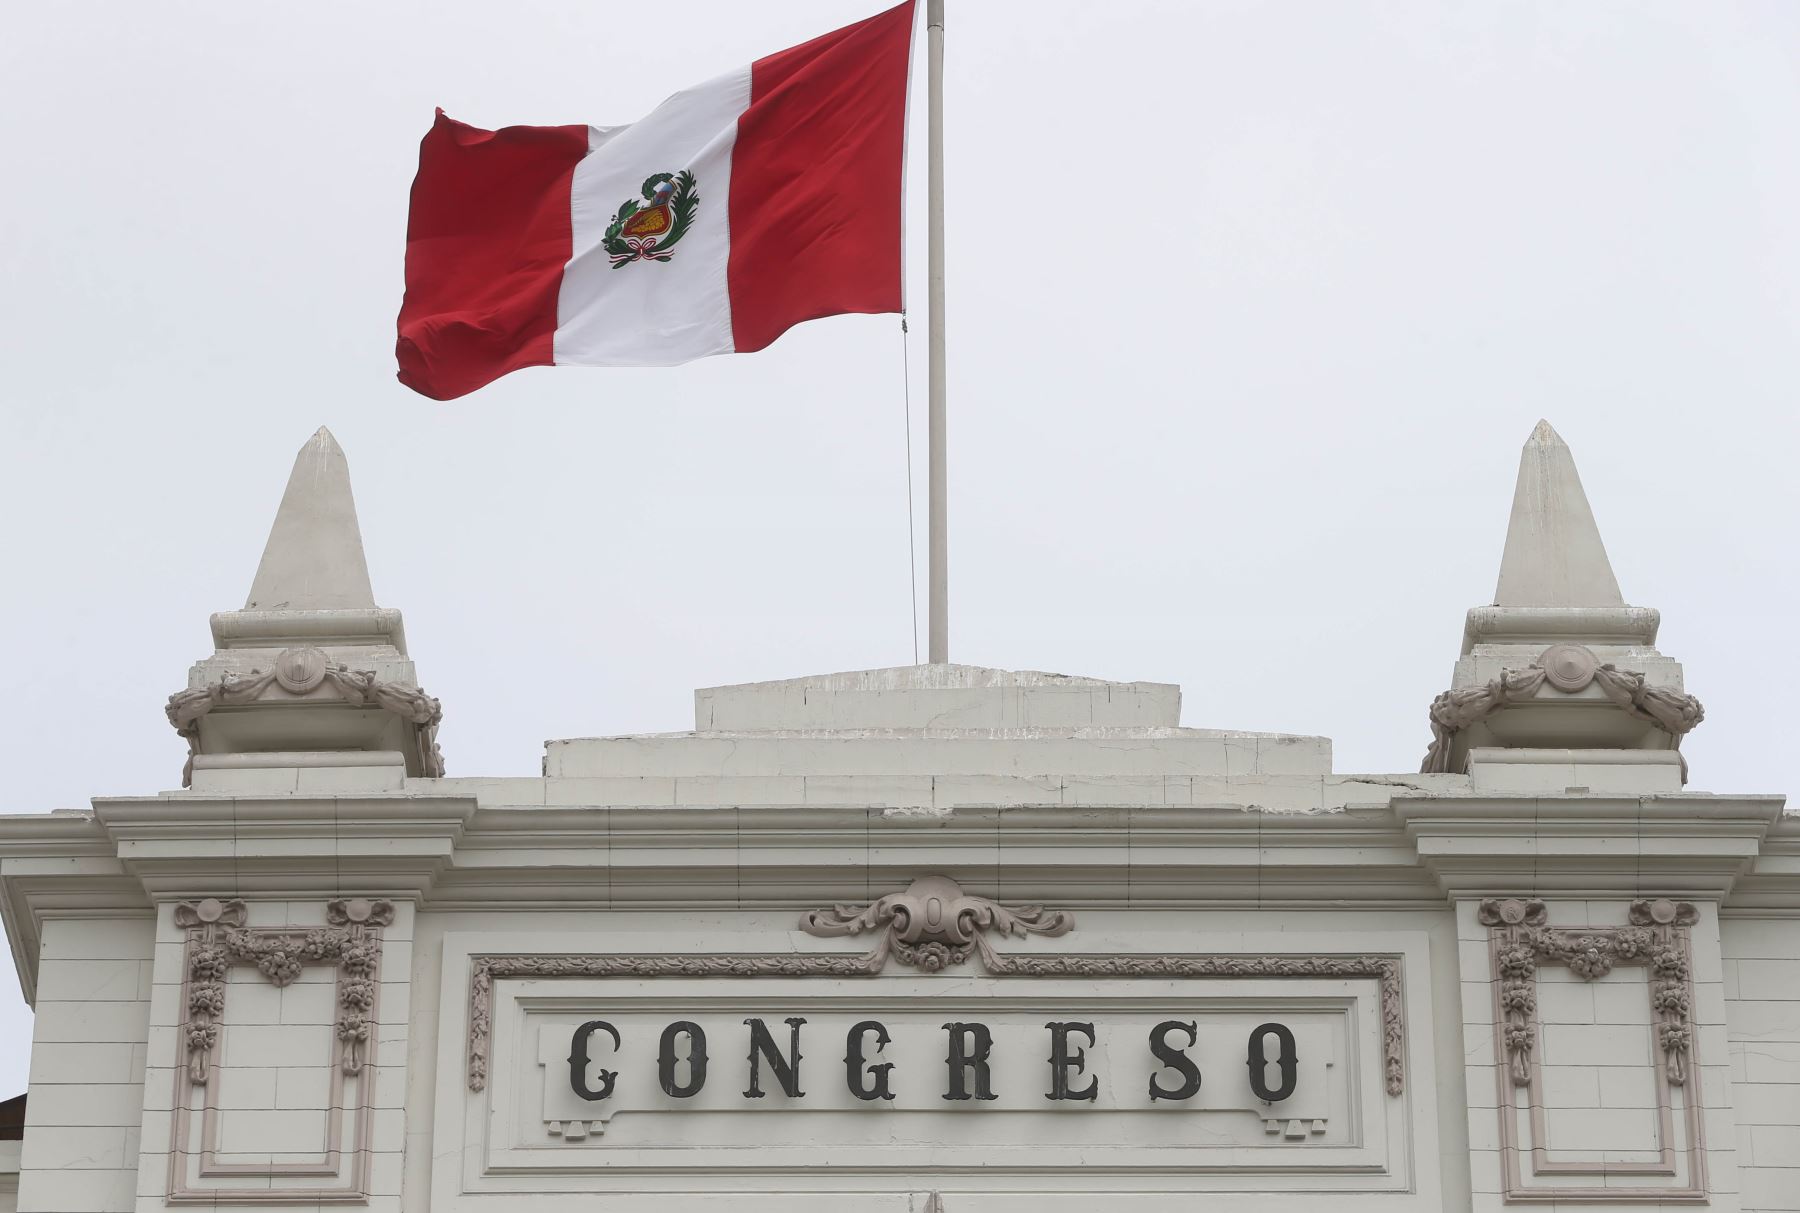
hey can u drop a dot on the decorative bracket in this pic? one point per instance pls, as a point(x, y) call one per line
point(934, 924)
point(1657, 937)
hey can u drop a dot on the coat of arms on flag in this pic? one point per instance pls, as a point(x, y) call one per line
point(647, 233)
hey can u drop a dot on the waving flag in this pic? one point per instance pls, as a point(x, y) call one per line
point(733, 211)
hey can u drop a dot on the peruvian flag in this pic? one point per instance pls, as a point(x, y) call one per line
point(735, 210)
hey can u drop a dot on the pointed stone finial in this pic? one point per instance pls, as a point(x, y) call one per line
point(314, 557)
point(1558, 667)
point(311, 673)
point(1554, 556)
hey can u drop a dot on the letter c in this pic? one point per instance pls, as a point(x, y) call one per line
point(578, 1060)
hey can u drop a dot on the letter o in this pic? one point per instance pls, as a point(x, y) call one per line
point(1287, 1060)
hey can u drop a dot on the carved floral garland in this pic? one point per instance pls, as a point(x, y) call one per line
point(1567, 668)
point(299, 671)
point(218, 939)
point(1522, 940)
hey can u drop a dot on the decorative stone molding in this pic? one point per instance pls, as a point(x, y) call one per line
point(933, 924)
point(218, 939)
point(207, 965)
point(1657, 937)
point(1523, 939)
point(358, 968)
point(1568, 668)
point(299, 671)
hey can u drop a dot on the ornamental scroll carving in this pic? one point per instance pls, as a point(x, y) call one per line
point(933, 924)
point(1568, 668)
point(1657, 937)
point(299, 671)
point(931, 937)
point(217, 939)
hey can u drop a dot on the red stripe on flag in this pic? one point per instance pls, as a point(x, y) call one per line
point(815, 180)
point(486, 241)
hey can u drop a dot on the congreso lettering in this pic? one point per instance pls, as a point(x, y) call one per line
point(684, 1064)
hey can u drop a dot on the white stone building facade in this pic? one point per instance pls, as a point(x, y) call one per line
point(933, 938)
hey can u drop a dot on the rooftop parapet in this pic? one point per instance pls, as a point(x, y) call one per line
point(942, 721)
point(937, 697)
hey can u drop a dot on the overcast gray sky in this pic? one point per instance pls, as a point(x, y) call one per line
point(1251, 307)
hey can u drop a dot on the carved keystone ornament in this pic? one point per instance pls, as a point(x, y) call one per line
point(934, 924)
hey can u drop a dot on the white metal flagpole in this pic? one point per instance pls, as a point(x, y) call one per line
point(939, 625)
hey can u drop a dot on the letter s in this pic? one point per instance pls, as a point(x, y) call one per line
point(1175, 1058)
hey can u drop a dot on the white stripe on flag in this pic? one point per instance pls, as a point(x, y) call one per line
point(653, 313)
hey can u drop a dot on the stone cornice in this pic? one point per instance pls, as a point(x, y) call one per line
point(59, 834)
point(1694, 845)
point(130, 853)
point(183, 846)
point(57, 864)
point(786, 857)
point(1076, 832)
point(1620, 625)
point(1772, 885)
point(443, 851)
point(1084, 888)
point(298, 816)
point(1575, 813)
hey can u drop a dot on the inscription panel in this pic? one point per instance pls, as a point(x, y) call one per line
point(1024, 1082)
point(1002, 1067)
point(972, 1096)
